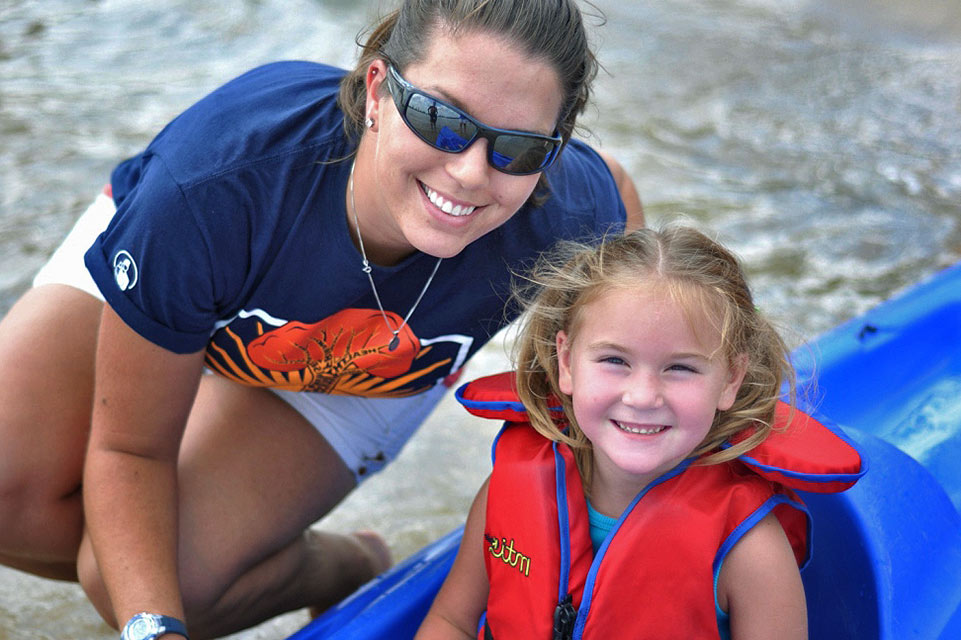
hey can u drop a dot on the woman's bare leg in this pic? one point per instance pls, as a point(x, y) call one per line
point(47, 345)
point(254, 476)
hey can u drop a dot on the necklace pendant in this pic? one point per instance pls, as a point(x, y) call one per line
point(366, 268)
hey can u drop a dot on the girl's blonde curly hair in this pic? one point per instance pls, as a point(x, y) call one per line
point(708, 282)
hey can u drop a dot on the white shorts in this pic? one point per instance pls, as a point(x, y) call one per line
point(367, 433)
point(66, 265)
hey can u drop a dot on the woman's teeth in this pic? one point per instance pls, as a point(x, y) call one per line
point(642, 430)
point(446, 205)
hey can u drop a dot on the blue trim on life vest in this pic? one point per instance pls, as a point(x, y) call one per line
point(588, 596)
point(497, 439)
point(806, 407)
point(821, 478)
point(831, 426)
point(494, 405)
point(563, 521)
point(488, 405)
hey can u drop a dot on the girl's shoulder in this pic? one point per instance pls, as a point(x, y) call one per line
point(760, 586)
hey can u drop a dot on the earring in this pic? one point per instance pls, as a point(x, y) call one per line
point(369, 123)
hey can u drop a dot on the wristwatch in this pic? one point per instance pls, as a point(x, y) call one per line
point(150, 626)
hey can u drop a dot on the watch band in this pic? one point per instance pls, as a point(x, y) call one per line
point(150, 626)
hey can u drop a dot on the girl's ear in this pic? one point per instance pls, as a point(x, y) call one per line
point(565, 381)
point(735, 376)
point(376, 90)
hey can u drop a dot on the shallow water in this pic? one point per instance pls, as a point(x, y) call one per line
point(820, 139)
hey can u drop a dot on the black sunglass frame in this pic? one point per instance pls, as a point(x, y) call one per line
point(402, 91)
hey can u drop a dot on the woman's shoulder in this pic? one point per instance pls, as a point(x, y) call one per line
point(270, 93)
point(581, 182)
point(577, 158)
point(582, 202)
point(284, 76)
point(272, 111)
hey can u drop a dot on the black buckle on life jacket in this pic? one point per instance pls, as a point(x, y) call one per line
point(564, 617)
point(487, 632)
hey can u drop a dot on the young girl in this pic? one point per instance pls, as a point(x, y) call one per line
point(631, 510)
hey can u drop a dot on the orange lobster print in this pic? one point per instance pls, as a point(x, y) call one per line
point(346, 353)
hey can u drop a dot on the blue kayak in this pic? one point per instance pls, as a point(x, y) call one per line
point(887, 553)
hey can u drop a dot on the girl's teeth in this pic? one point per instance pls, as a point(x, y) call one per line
point(446, 205)
point(640, 430)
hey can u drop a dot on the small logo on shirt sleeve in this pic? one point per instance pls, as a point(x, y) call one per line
point(124, 270)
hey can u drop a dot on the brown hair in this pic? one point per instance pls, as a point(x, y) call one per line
point(700, 274)
point(549, 30)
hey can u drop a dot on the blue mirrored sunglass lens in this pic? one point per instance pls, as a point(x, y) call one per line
point(448, 140)
point(438, 124)
point(520, 154)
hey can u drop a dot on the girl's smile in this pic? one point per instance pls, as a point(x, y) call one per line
point(645, 384)
point(643, 430)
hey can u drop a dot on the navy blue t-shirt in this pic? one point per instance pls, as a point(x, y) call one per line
point(231, 235)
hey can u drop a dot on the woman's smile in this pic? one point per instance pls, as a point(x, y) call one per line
point(447, 204)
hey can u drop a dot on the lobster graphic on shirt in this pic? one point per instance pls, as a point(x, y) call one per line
point(346, 353)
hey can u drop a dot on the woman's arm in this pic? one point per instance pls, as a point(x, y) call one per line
point(629, 194)
point(760, 586)
point(463, 596)
point(143, 395)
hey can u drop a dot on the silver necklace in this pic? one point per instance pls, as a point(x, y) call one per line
point(366, 268)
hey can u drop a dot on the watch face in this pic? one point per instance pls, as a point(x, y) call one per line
point(141, 627)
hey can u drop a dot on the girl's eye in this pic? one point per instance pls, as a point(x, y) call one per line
point(682, 367)
point(613, 360)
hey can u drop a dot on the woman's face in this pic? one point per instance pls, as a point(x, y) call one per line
point(411, 196)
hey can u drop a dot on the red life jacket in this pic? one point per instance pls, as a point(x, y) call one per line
point(654, 575)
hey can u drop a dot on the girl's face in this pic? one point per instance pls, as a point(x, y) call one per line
point(645, 385)
point(411, 196)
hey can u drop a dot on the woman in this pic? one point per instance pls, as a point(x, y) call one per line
point(333, 247)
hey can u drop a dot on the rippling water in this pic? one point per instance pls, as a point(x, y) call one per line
point(821, 139)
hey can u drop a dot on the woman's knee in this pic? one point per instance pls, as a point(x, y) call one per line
point(41, 464)
point(47, 344)
point(41, 508)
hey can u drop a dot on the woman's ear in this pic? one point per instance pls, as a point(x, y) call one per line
point(565, 380)
point(374, 80)
point(735, 376)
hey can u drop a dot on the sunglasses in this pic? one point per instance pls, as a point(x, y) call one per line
point(445, 127)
